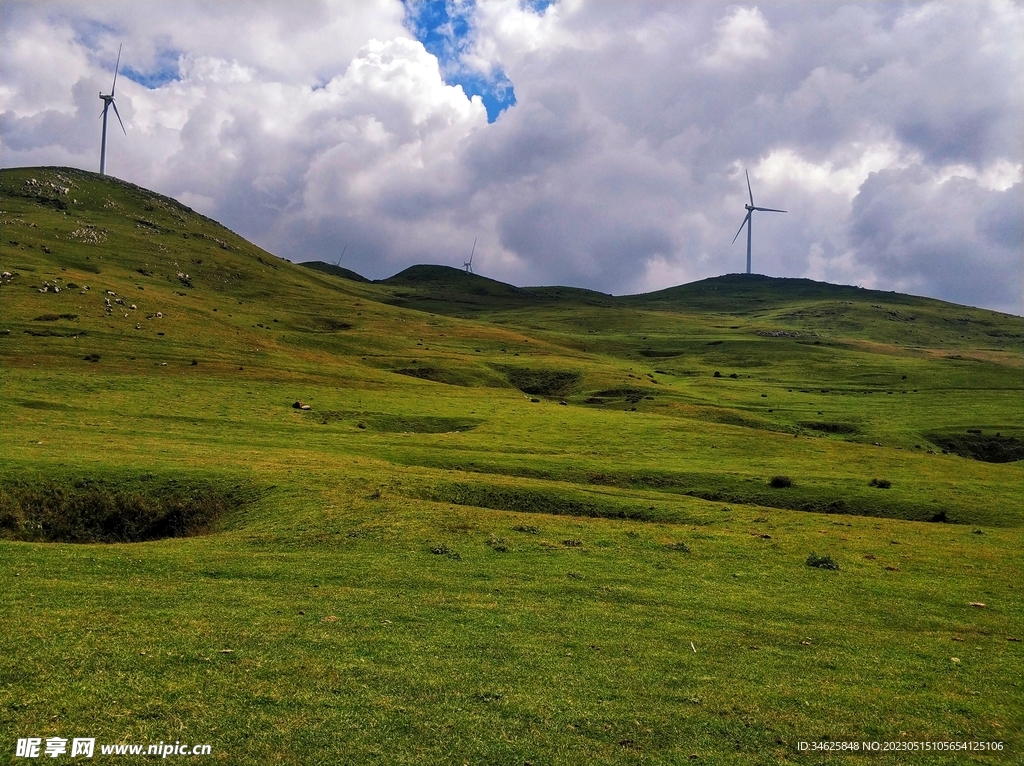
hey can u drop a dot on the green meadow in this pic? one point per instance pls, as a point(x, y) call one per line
point(514, 525)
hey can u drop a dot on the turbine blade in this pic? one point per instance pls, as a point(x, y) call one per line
point(748, 187)
point(473, 251)
point(745, 221)
point(116, 78)
point(118, 116)
point(770, 210)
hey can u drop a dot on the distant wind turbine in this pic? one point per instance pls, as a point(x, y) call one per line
point(468, 265)
point(342, 255)
point(108, 101)
point(750, 212)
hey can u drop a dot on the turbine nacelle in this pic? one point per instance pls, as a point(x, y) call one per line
point(748, 219)
point(468, 265)
point(108, 101)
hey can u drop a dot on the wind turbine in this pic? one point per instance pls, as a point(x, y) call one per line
point(341, 256)
point(468, 265)
point(750, 212)
point(108, 101)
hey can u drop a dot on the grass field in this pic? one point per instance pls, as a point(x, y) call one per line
point(515, 526)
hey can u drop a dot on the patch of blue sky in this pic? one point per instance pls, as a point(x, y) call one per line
point(152, 78)
point(445, 29)
point(537, 6)
point(92, 32)
point(162, 70)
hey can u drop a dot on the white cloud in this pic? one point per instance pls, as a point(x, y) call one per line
point(741, 37)
point(314, 125)
point(998, 176)
point(843, 174)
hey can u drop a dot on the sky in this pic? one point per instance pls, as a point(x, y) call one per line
point(594, 144)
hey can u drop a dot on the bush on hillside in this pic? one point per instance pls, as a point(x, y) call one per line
point(822, 562)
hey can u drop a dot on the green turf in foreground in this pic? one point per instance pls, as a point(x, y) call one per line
point(316, 624)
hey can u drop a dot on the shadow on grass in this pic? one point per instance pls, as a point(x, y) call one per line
point(114, 508)
point(553, 501)
point(852, 499)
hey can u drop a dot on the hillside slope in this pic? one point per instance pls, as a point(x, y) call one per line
point(512, 526)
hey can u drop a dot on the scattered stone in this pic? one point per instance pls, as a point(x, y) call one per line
point(976, 604)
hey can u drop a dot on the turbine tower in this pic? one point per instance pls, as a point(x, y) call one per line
point(468, 265)
point(750, 212)
point(108, 101)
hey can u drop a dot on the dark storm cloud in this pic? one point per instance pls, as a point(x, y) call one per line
point(954, 237)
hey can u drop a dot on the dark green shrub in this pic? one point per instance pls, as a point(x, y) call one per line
point(780, 482)
point(822, 562)
point(444, 550)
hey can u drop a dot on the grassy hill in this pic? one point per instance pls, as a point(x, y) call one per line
point(338, 271)
point(515, 524)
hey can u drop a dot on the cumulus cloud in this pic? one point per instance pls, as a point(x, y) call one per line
point(742, 36)
point(891, 132)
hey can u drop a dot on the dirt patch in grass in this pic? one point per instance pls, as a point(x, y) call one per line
point(55, 333)
point(631, 395)
point(38, 404)
point(554, 501)
point(114, 509)
point(325, 324)
point(653, 353)
point(990, 448)
point(435, 374)
point(392, 424)
point(426, 424)
point(829, 428)
point(733, 418)
point(552, 383)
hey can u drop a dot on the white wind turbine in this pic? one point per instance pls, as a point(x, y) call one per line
point(108, 101)
point(468, 265)
point(748, 220)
